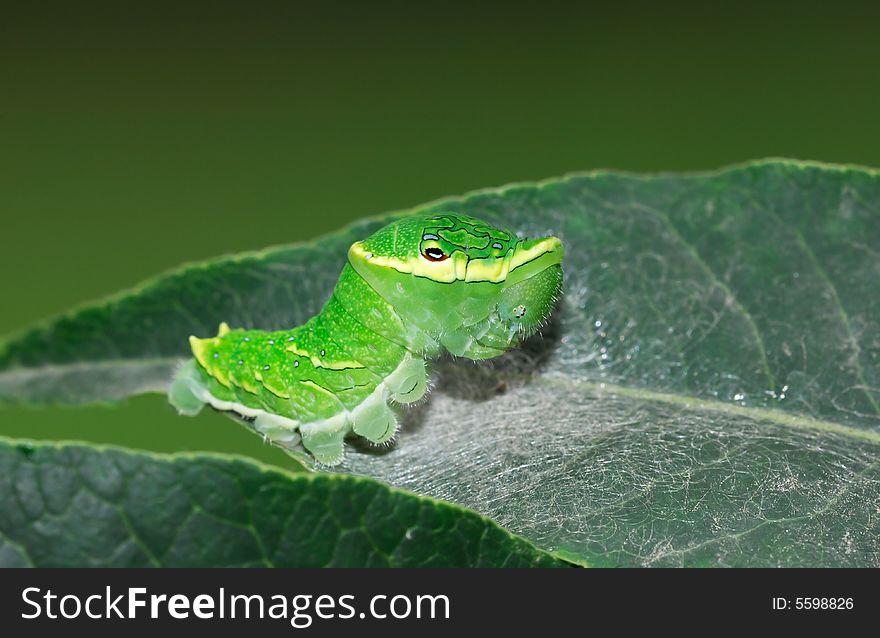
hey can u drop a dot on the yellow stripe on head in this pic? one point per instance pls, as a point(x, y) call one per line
point(457, 267)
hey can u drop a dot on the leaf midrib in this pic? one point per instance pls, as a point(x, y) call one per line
point(89, 364)
point(778, 417)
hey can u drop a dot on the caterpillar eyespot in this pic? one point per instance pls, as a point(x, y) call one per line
point(415, 288)
point(435, 254)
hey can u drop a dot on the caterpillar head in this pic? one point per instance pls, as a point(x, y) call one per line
point(471, 287)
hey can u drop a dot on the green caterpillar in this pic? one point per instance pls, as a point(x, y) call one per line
point(414, 288)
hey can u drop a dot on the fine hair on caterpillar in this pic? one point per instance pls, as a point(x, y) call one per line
point(419, 287)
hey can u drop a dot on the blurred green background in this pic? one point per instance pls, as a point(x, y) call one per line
point(135, 137)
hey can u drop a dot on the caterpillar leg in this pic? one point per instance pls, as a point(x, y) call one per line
point(183, 391)
point(409, 382)
point(374, 420)
point(277, 429)
point(324, 439)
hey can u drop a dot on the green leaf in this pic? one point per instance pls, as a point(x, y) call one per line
point(708, 393)
point(74, 505)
